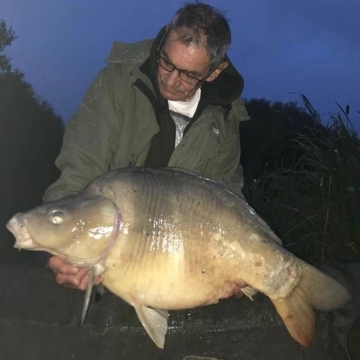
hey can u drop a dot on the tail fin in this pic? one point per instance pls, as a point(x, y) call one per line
point(314, 290)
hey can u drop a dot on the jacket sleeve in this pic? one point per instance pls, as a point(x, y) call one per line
point(87, 144)
point(225, 167)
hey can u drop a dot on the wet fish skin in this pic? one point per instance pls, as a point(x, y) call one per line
point(166, 239)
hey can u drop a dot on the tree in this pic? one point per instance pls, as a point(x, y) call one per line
point(30, 139)
point(7, 36)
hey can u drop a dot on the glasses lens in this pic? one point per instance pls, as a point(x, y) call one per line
point(188, 78)
point(165, 64)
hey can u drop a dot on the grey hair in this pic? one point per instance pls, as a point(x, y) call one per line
point(201, 24)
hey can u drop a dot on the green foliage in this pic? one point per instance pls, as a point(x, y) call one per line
point(7, 36)
point(311, 191)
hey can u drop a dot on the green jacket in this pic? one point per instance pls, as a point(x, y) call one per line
point(116, 121)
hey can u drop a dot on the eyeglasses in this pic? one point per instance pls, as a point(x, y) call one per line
point(183, 75)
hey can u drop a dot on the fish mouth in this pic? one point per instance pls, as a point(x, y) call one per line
point(23, 240)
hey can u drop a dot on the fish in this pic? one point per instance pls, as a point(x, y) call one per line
point(167, 239)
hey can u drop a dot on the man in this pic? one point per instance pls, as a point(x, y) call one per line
point(179, 108)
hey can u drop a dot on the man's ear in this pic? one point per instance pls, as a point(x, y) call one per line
point(217, 71)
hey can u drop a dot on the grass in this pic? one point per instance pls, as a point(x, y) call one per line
point(311, 194)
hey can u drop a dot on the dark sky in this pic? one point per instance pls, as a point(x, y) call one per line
point(279, 46)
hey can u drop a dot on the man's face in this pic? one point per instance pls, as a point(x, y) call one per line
point(191, 59)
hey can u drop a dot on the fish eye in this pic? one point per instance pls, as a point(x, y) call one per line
point(57, 217)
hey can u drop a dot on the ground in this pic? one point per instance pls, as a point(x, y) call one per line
point(40, 320)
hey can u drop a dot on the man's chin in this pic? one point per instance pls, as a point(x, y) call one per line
point(169, 95)
point(172, 95)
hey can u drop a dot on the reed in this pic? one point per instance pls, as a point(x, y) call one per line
point(312, 195)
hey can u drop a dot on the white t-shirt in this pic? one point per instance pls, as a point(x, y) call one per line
point(182, 112)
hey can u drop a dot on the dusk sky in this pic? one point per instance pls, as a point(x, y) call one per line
point(279, 46)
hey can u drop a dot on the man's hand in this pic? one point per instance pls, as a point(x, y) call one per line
point(70, 275)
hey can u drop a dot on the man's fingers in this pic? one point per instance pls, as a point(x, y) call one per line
point(83, 279)
point(67, 280)
point(69, 275)
point(83, 284)
point(78, 281)
point(60, 266)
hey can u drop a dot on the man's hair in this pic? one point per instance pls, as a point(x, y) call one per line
point(201, 24)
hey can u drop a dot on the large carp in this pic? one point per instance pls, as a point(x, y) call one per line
point(165, 239)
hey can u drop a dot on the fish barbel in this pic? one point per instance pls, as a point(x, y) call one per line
point(166, 239)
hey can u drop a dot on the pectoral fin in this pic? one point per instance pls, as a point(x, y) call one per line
point(249, 292)
point(88, 293)
point(154, 322)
